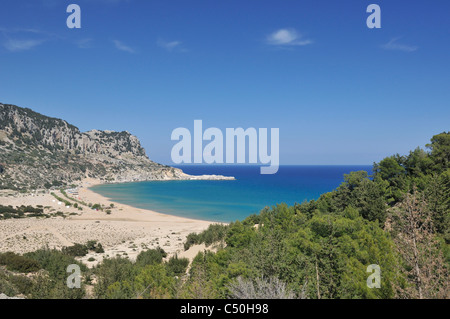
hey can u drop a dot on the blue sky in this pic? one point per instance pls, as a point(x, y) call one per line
point(339, 92)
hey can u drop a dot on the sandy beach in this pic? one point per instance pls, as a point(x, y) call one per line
point(125, 232)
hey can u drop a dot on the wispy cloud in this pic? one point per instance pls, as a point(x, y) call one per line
point(85, 43)
point(13, 45)
point(287, 37)
point(170, 45)
point(394, 45)
point(21, 30)
point(123, 47)
point(21, 39)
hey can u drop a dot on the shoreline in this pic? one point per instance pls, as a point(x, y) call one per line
point(86, 186)
point(125, 232)
point(100, 183)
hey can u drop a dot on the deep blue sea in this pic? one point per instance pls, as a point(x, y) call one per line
point(225, 201)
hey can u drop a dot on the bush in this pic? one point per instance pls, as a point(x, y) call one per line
point(7, 287)
point(151, 257)
point(191, 239)
point(111, 271)
point(54, 261)
point(99, 249)
point(271, 288)
point(79, 250)
point(7, 212)
point(97, 206)
point(177, 266)
point(92, 245)
point(23, 284)
point(214, 233)
point(14, 262)
point(76, 250)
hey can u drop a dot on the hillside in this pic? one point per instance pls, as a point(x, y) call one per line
point(396, 220)
point(37, 151)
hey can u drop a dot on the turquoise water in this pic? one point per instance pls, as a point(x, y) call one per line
point(225, 201)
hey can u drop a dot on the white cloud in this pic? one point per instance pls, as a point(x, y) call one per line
point(84, 43)
point(285, 37)
point(122, 47)
point(394, 45)
point(22, 39)
point(168, 45)
point(14, 45)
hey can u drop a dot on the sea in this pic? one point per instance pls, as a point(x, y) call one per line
point(229, 200)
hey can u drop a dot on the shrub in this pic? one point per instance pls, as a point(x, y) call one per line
point(99, 249)
point(7, 212)
point(191, 240)
point(271, 288)
point(214, 233)
point(111, 271)
point(54, 261)
point(151, 257)
point(177, 266)
point(22, 283)
point(92, 245)
point(18, 263)
point(76, 250)
point(97, 206)
point(7, 287)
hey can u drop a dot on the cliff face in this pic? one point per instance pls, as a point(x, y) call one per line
point(37, 151)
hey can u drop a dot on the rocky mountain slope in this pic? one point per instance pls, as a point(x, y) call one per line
point(37, 151)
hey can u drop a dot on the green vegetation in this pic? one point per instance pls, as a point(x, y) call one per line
point(177, 266)
point(151, 257)
point(76, 250)
point(73, 199)
point(7, 212)
point(148, 277)
point(397, 218)
point(214, 233)
point(94, 246)
point(48, 283)
point(97, 207)
point(18, 263)
point(79, 250)
point(66, 202)
point(14, 284)
point(51, 283)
